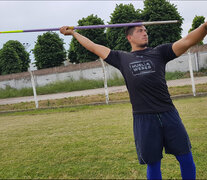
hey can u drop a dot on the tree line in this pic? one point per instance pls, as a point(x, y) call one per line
point(49, 49)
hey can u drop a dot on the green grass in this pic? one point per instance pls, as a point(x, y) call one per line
point(82, 84)
point(60, 86)
point(89, 142)
point(181, 75)
point(175, 75)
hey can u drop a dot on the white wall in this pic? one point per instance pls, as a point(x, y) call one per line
point(179, 64)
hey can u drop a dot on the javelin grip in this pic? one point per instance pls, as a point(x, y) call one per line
point(71, 27)
point(96, 26)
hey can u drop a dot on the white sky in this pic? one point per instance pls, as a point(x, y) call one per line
point(22, 15)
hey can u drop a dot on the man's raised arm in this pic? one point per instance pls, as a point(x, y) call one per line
point(97, 49)
point(194, 37)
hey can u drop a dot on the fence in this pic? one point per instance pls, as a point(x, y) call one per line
point(197, 59)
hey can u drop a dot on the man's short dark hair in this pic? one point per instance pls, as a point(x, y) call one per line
point(130, 29)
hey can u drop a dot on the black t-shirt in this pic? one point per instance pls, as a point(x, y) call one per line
point(144, 74)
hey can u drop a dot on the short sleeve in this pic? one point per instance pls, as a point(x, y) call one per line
point(166, 52)
point(113, 59)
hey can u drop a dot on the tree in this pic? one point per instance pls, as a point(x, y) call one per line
point(49, 51)
point(72, 52)
point(197, 21)
point(13, 58)
point(77, 53)
point(116, 38)
point(157, 10)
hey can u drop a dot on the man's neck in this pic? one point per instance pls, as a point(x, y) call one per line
point(138, 48)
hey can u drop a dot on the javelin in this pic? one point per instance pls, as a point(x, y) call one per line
point(95, 26)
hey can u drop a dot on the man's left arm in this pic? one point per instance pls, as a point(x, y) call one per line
point(194, 37)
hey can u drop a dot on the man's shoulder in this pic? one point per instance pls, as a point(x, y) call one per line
point(166, 51)
point(165, 45)
point(120, 53)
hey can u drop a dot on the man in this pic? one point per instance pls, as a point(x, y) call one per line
point(156, 121)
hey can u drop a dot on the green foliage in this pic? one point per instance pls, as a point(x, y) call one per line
point(197, 21)
point(157, 10)
point(49, 51)
point(13, 58)
point(116, 38)
point(77, 53)
point(72, 52)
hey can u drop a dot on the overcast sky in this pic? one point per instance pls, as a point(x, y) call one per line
point(20, 15)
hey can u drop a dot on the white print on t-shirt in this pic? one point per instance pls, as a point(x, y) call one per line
point(142, 67)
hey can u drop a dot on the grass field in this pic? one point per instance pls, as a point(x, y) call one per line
point(89, 142)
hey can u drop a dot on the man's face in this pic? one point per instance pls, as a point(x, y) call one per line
point(139, 37)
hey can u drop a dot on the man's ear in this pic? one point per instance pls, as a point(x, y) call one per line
point(128, 38)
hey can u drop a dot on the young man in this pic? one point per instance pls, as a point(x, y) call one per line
point(156, 121)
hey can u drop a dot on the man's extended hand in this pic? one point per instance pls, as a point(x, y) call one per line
point(66, 30)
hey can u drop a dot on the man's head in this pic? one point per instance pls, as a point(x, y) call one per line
point(137, 36)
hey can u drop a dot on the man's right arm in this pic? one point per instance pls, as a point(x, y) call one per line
point(97, 49)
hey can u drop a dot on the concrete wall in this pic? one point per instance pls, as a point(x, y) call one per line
point(203, 60)
point(181, 63)
point(91, 70)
